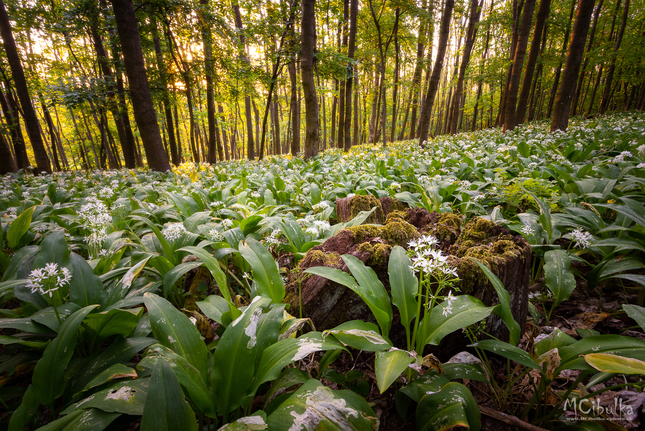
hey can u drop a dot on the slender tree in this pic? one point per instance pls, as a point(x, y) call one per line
point(471, 34)
point(29, 113)
point(144, 111)
point(606, 96)
point(567, 88)
point(351, 72)
point(433, 86)
point(307, 45)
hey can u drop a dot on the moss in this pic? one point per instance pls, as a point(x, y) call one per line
point(504, 247)
point(364, 231)
point(379, 253)
point(450, 219)
point(360, 203)
point(477, 230)
point(447, 227)
point(396, 216)
point(397, 232)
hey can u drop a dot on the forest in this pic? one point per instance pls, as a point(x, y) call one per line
point(322, 215)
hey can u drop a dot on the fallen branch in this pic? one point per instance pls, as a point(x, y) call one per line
point(509, 419)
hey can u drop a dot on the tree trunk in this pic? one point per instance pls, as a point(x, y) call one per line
point(28, 111)
point(343, 82)
point(7, 162)
point(144, 111)
point(247, 98)
point(572, 65)
point(161, 66)
point(517, 8)
point(295, 109)
point(592, 33)
point(558, 72)
point(127, 141)
point(604, 103)
point(15, 131)
point(418, 69)
point(518, 64)
point(351, 73)
point(308, 43)
point(540, 20)
point(475, 12)
point(426, 109)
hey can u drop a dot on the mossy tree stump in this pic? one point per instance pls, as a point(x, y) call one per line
point(329, 304)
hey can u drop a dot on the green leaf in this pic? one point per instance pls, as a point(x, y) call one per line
point(404, 285)
point(558, 279)
point(48, 378)
point(26, 413)
point(216, 271)
point(174, 330)
point(187, 375)
point(389, 365)
point(464, 371)
point(467, 310)
point(19, 227)
point(234, 359)
point(127, 397)
point(213, 307)
point(507, 351)
point(452, 407)
point(82, 420)
point(85, 287)
point(342, 278)
point(545, 216)
point(314, 406)
point(505, 301)
point(637, 313)
point(113, 372)
point(609, 363)
point(360, 335)
point(256, 422)
point(175, 274)
point(165, 408)
point(164, 244)
point(265, 270)
point(606, 343)
point(113, 322)
point(284, 352)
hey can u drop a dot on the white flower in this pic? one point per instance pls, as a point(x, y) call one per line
point(106, 193)
point(227, 223)
point(527, 230)
point(320, 206)
point(173, 231)
point(215, 235)
point(640, 165)
point(641, 148)
point(621, 156)
point(582, 239)
point(94, 213)
point(217, 204)
point(48, 279)
point(255, 195)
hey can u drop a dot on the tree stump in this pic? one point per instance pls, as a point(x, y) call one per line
point(329, 304)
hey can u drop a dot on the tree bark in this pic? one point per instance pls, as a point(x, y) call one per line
point(604, 102)
point(295, 108)
point(343, 82)
point(29, 113)
point(540, 20)
point(144, 111)
point(518, 64)
point(15, 131)
point(308, 44)
point(250, 146)
point(572, 65)
point(351, 73)
point(418, 68)
point(161, 66)
point(475, 13)
point(7, 162)
point(592, 34)
point(424, 121)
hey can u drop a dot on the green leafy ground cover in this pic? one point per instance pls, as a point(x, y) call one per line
point(144, 299)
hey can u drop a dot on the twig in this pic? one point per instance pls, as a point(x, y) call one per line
point(509, 419)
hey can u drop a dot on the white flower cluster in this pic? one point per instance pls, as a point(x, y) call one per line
point(227, 223)
point(582, 239)
point(12, 211)
point(621, 157)
point(640, 165)
point(317, 228)
point(527, 230)
point(255, 195)
point(321, 206)
point(641, 149)
point(106, 193)
point(427, 259)
point(48, 279)
point(215, 235)
point(273, 238)
point(447, 310)
point(173, 231)
point(95, 213)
